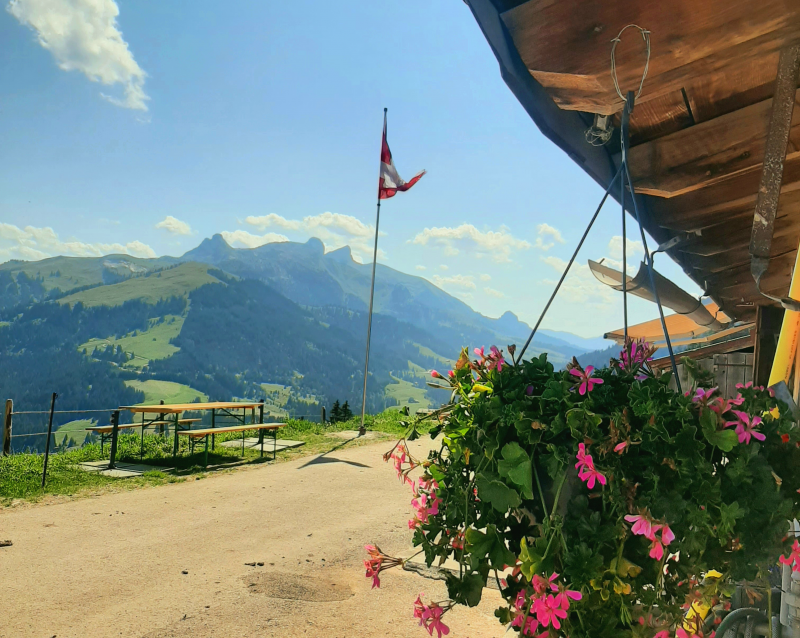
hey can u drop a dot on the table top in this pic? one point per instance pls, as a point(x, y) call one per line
point(187, 407)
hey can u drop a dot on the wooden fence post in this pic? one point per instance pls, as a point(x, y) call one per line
point(49, 434)
point(324, 420)
point(7, 427)
point(112, 460)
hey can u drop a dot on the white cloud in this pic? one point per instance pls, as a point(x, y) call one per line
point(461, 282)
point(248, 240)
point(83, 35)
point(32, 243)
point(266, 221)
point(174, 226)
point(444, 267)
point(635, 248)
point(494, 293)
point(485, 277)
point(546, 230)
point(334, 229)
point(420, 267)
point(499, 244)
point(580, 286)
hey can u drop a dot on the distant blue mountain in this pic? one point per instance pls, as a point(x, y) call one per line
point(309, 276)
point(582, 343)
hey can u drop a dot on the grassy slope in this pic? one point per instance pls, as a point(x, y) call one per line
point(20, 474)
point(174, 282)
point(407, 394)
point(73, 430)
point(154, 343)
point(170, 392)
point(76, 271)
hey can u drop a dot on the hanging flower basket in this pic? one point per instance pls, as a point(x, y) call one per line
point(598, 500)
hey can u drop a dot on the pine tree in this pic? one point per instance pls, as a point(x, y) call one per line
point(336, 412)
point(347, 413)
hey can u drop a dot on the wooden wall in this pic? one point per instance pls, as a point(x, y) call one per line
point(728, 369)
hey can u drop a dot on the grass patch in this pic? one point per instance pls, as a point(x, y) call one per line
point(153, 343)
point(74, 430)
point(407, 395)
point(427, 352)
point(174, 282)
point(21, 474)
point(170, 392)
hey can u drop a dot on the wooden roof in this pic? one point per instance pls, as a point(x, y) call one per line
point(174, 408)
point(698, 130)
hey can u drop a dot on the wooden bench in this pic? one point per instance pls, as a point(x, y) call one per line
point(106, 432)
point(204, 433)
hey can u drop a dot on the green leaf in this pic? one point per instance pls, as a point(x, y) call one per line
point(494, 491)
point(708, 421)
point(531, 560)
point(729, 514)
point(489, 545)
point(725, 440)
point(466, 590)
point(516, 466)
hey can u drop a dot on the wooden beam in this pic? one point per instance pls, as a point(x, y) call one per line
point(722, 212)
point(769, 190)
point(708, 153)
point(566, 44)
point(719, 264)
point(740, 285)
point(718, 348)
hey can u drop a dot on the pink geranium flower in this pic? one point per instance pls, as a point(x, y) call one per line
point(642, 525)
point(433, 620)
point(586, 469)
point(702, 396)
point(721, 406)
point(620, 447)
point(541, 585)
point(587, 383)
point(590, 476)
point(549, 611)
point(495, 359)
point(584, 459)
point(657, 546)
point(745, 427)
point(794, 557)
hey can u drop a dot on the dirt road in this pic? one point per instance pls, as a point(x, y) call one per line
point(170, 562)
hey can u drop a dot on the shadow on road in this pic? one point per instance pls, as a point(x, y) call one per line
point(324, 458)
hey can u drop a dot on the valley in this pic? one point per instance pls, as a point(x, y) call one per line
point(284, 322)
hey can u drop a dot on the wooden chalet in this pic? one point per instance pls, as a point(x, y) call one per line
point(715, 137)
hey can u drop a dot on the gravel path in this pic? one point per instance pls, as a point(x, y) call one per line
point(170, 562)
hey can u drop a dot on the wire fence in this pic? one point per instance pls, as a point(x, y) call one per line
point(72, 438)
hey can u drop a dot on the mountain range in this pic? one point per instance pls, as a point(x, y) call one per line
point(285, 321)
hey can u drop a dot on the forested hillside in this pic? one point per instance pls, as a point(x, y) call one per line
point(285, 323)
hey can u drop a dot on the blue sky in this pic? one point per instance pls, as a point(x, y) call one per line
point(143, 127)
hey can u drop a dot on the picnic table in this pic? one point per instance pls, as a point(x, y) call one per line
point(170, 414)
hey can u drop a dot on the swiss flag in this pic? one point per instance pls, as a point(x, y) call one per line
point(390, 182)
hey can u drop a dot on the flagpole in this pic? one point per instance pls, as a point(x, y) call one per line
point(362, 430)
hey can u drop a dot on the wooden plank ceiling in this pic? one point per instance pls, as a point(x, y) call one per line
point(699, 128)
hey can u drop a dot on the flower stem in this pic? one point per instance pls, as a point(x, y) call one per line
point(558, 495)
point(541, 495)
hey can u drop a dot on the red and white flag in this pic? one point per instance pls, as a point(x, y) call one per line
point(390, 182)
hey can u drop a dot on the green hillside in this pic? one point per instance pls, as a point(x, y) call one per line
point(173, 282)
point(66, 273)
point(75, 430)
point(145, 346)
point(155, 391)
